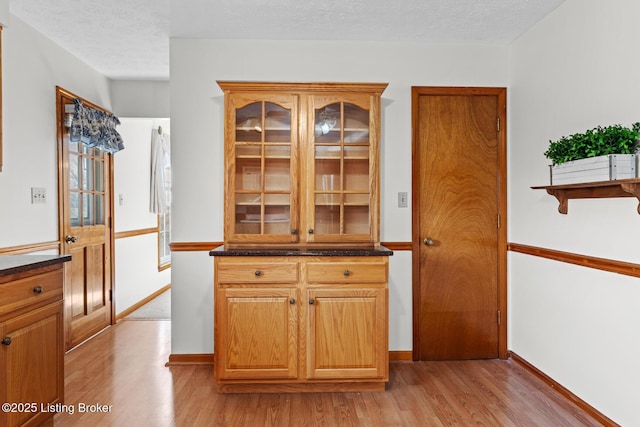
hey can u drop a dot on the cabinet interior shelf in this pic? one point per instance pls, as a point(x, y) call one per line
point(251, 156)
point(593, 190)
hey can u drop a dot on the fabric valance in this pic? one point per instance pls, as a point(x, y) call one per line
point(95, 128)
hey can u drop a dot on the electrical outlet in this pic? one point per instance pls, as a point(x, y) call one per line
point(38, 195)
point(403, 202)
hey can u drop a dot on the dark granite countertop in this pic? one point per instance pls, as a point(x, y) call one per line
point(379, 251)
point(11, 264)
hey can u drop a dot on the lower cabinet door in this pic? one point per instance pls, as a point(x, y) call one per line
point(31, 363)
point(347, 334)
point(256, 333)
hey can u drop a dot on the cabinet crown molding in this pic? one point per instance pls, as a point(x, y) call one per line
point(315, 87)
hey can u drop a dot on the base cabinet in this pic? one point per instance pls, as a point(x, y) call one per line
point(346, 333)
point(258, 330)
point(31, 354)
point(319, 324)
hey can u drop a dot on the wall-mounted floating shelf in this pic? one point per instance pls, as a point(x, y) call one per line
point(593, 190)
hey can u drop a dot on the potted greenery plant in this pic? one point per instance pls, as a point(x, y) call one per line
point(599, 154)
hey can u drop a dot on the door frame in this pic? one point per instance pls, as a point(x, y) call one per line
point(501, 93)
point(60, 94)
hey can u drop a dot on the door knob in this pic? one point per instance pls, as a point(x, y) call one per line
point(70, 239)
point(429, 241)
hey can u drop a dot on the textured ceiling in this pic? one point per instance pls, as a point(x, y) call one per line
point(129, 39)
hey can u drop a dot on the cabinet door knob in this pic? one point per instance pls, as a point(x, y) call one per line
point(37, 289)
point(312, 301)
point(71, 239)
point(6, 341)
point(346, 272)
point(429, 241)
point(292, 301)
point(310, 231)
point(294, 231)
point(258, 273)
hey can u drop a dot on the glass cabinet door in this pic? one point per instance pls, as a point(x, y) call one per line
point(261, 178)
point(341, 191)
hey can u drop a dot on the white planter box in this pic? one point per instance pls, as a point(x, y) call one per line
point(593, 169)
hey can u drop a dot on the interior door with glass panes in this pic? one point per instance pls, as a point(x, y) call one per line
point(85, 197)
point(343, 190)
point(261, 168)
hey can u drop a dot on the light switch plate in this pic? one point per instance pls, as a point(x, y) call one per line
point(403, 202)
point(38, 195)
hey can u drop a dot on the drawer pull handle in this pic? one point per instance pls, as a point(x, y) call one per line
point(258, 273)
point(312, 301)
point(6, 341)
point(37, 289)
point(292, 301)
point(346, 273)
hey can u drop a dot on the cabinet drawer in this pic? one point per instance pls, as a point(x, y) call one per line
point(258, 272)
point(30, 290)
point(346, 272)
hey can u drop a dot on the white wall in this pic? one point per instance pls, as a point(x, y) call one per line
point(136, 257)
point(32, 66)
point(140, 98)
point(575, 70)
point(197, 146)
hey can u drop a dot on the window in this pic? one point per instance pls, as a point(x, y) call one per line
point(160, 192)
point(164, 218)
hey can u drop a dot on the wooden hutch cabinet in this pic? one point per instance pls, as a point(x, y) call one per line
point(301, 296)
point(301, 163)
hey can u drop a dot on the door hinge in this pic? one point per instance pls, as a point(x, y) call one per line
point(499, 221)
point(110, 294)
point(110, 223)
point(499, 318)
point(498, 124)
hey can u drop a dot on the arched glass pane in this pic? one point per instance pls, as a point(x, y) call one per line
point(327, 124)
point(356, 124)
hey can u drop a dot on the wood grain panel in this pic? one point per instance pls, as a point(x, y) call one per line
point(315, 87)
point(133, 233)
point(458, 210)
point(23, 292)
point(208, 246)
point(250, 270)
point(33, 361)
point(29, 248)
point(464, 393)
point(398, 246)
point(620, 267)
point(562, 390)
point(193, 246)
point(261, 337)
point(347, 333)
point(346, 272)
point(74, 295)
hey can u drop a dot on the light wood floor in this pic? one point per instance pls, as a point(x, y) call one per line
point(124, 367)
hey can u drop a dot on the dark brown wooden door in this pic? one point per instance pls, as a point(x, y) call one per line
point(85, 232)
point(458, 215)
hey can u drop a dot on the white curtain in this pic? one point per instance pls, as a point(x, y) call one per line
point(160, 155)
